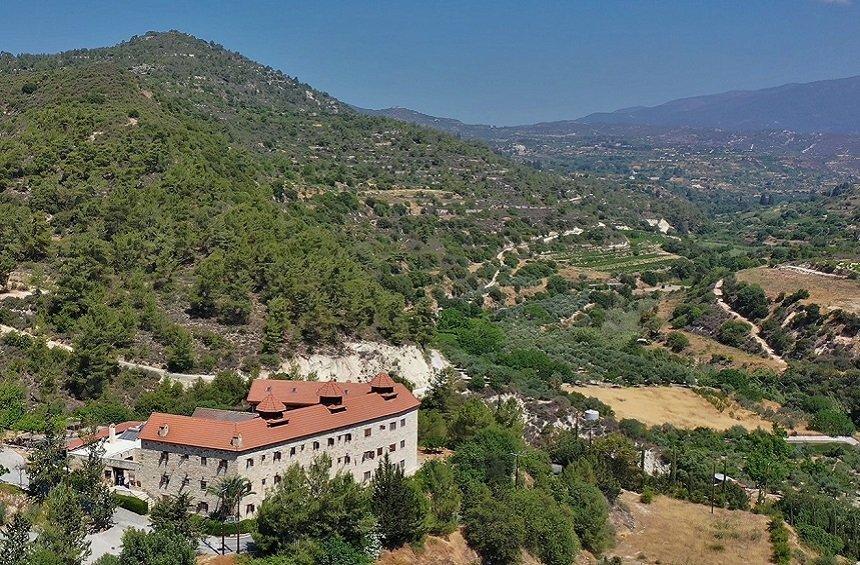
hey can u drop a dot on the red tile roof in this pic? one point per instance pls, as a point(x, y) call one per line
point(382, 380)
point(359, 405)
point(270, 405)
point(330, 390)
point(101, 433)
point(302, 393)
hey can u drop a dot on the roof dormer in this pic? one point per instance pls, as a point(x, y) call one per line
point(382, 384)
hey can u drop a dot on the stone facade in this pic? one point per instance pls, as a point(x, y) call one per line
point(167, 469)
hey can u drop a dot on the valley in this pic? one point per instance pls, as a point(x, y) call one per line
point(190, 239)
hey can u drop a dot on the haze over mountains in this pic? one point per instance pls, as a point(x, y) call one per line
point(823, 106)
point(831, 106)
point(815, 124)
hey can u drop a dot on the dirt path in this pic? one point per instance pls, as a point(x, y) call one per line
point(183, 378)
point(754, 332)
point(808, 271)
point(499, 257)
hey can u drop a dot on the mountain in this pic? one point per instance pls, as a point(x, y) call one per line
point(831, 106)
point(184, 206)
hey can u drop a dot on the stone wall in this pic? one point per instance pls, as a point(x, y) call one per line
point(166, 469)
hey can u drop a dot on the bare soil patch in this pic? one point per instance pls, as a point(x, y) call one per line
point(681, 407)
point(435, 551)
point(828, 292)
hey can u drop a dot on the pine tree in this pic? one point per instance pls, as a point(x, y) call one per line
point(15, 546)
point(95, 498)
point(64, 532)
point(47, 464)
point(400, 507)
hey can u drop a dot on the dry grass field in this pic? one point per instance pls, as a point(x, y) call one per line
point(670, 531)
point(681, 407)
point(829, 293)
point(702, 348)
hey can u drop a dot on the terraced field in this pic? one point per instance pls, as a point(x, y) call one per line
point(617, 260)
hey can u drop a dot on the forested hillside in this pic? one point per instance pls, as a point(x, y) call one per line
point(173, 202)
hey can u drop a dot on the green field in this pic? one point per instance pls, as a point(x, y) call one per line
point(626, 260)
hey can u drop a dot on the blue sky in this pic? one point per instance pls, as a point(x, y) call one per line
point(491, 62)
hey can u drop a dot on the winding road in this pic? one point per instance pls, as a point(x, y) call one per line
point(754, 331)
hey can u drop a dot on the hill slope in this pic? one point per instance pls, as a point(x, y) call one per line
point(822, 106)
point(181, 204)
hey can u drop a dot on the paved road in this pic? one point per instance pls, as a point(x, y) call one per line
point(212, 544)
point(16, 464)
point(110, 540)
point(848, 440)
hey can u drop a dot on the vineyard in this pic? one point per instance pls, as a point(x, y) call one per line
point(617, 260)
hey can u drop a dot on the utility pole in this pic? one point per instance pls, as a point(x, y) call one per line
point(713, 477)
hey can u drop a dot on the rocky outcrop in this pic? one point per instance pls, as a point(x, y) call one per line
point(361, 360)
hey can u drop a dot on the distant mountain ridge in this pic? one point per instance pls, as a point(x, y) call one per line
point(826, 106)
point(831, 106)
point(817, 122)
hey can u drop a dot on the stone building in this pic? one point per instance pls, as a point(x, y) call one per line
point(291, 422)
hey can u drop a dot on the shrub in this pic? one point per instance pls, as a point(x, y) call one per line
point(647, 496)
point(820, 539)
point(217, 528)
point(677, 342)
point(832, 421)
point(779, 540)
point(733, 332)
point(131, 503)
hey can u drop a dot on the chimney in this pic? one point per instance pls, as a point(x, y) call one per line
point(111, 433)
point(236, 441)
point(162, 430)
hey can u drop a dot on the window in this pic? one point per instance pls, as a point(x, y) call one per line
point(403, 422)
point(346, 459)
point(292, 451)
point(163, 458)
point(202, 508)
point(262, 458)
point(276, 456)
point(367, 432)
point(330, 441)
point(382, 427)
point(277, 479)
point(367, 455)
point(402, 444)
point(264, 482)
point(203, 461)
point(249, 463)
point(107, 473)
point(392, 447)
point(316, 445)
point(367, 475)
point(379, 451)
point(347, 437)
point(392, 426)
point(183, 458)
point(203, 485)
point(222, 465)
point(402, 463)
point(249, 509)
